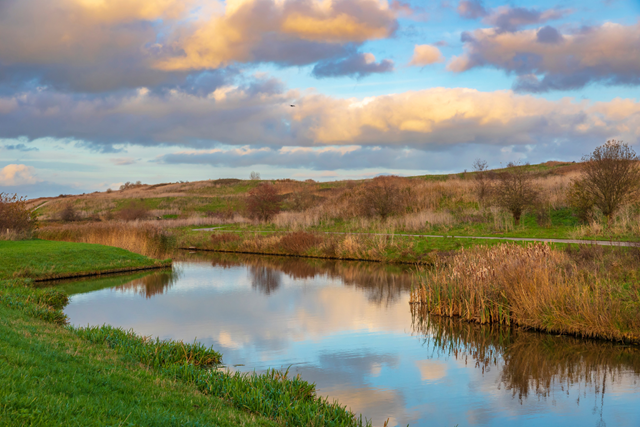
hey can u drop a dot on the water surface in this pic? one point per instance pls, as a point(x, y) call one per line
point(349, 328)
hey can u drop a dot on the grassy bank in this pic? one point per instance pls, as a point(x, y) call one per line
point(40, 259)
point(391, 249)
point(589, 292)
point(52, 374)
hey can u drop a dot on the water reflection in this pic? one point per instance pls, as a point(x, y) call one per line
point(349, 328)
point(382, 283)
point(531, 363)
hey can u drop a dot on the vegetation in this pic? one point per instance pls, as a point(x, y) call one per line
point(515, 193)
point(611, 179)
point(592, 292)
point(16, 220)
point(263, 202)
point(40, 259)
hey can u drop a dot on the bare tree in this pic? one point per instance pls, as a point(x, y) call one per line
point(610, 180)
point(255, 176)
point(263, 202)
point(69, 213)
point(384, 196)
point(482, 185)
point(515, 192)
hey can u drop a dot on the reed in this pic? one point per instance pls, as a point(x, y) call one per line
point(536, 287)
point(141, 237)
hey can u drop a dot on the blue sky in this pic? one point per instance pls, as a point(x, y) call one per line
point(96, 93)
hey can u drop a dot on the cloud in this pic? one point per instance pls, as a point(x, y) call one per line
point(471, 9)
point(123, 161)
point(405, 10)
point(102, 46)
point(426, 54)
point(512, 18)
point(17, 175)
point(544, 60)
point(357, 65)
point(259, 112)
point(20, 147)
point(506, 18)
point(247, 29)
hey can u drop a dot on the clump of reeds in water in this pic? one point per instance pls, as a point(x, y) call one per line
point(140, 237)
point(532, 286)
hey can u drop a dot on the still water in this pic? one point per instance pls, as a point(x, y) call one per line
point(349, 328)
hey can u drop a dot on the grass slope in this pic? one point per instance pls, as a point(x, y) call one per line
point(41, 259)
point(50, 376)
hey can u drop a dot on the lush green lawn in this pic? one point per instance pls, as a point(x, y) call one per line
point(40, 259)
point(49, 376)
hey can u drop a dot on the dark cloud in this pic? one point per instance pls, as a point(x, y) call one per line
point(512, 18)
point(546, 60)
point(356, 65)
point(471, 9)
point(548, 34)
point(20, 147)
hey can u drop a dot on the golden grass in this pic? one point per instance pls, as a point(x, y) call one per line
point(144, 238)
point(535, 287)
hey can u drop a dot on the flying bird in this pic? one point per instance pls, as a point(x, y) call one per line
point(292, 105)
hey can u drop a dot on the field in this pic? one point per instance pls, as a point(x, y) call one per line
point(41, 259)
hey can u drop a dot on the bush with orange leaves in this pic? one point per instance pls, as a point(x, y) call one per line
point(263, 202)
point(15, 217)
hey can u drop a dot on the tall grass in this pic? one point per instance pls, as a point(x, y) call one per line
point(535, 287)
point(141, 237)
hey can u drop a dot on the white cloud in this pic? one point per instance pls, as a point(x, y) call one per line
point(13, 175)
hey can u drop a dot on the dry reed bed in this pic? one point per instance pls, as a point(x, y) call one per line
point(141, 237)
point(536, 287)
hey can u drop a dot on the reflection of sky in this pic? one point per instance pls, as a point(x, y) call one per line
point(355, 350)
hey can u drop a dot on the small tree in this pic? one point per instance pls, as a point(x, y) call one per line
point(134, 210)
point(68, 213)
point(384, 196)
point(515, 193)
point(263, 202)
point(255, 176)
point(610, 180)
point(482, 185)
point(15, 215)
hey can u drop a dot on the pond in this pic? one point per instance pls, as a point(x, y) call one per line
point(349, 328)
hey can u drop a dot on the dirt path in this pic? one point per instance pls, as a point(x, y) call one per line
point(517, 239)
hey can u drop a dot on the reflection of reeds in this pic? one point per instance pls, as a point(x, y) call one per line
point(530, 362)
point(532, 286)
point(151, 285)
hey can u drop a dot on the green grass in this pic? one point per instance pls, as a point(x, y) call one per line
point(42, 259)
point(51, 376)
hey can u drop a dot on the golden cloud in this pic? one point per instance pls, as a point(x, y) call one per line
point(426, 54)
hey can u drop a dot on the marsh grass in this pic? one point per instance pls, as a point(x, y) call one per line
point(537, 287)
point(273, 394)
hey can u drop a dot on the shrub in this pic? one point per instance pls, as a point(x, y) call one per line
point(129, 185)
point(15, 216)
point(68, 213)
point(133, 211)
point(219, 238)
point(384, 196)
point(515, 193)
point(263, 202)
point(255, 176)
point(611, 178)
point(482, 185)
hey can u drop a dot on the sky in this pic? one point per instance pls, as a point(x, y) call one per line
point(94, 93)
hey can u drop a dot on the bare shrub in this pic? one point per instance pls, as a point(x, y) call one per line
point(611, 178)
point(130, 185)
point(15, 217)
point(515, 193)
point(255, 176)
point(134, 210)
point(384, 196)
point(69, 213)
point(482, 183)
point(263, 202)
point(299, 242)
